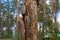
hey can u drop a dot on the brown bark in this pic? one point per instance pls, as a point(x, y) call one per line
point(30, 12)
point(37, 1)
point(17, 14)
point(25, 18)
point(21, 27)
point(30, 15)
point(19, 22)
point(33, 17)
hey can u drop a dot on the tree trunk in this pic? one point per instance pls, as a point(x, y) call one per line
point(19, 22)
point(30, 19)
point(33, 17)
point(55, 18)
point(53, 12)
point(44, 14)
point(52, 9)
point(25, 18)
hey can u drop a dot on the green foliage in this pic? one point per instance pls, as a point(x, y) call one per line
point(40, 35)
point(1, 6)
point(5, 34)
point(40, 12)
point(52, 32)
point(17, 36)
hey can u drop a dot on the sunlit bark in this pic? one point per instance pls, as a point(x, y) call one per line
point(34, 26)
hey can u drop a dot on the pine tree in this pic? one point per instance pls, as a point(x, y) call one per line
point(19, 22)
point(44, 14)
point(29, 20)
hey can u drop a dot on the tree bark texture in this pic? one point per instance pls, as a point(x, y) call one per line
point(30, 19)
point(19, 22)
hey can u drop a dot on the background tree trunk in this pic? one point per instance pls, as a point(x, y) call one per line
point(55, 18)
point(44, 14)
point(19, 22)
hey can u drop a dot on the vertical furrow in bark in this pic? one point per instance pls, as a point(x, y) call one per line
point(30, 19)
point(44, 14)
